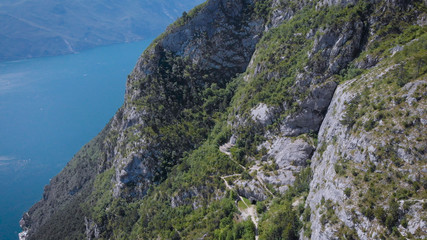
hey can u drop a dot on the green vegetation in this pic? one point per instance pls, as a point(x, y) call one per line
point(347, 233)
point(347, 192)
point(193, 130)
point(244, 204)
point(72, 208)
point(263, 9)
point(260, 207)
point(186, 17)
point(350, 72)
point(183, 103)
point(329, 216)
point(281, 222)
point(242, 230)
point(351, 114)
point(154, 216)
point(250, 136)
point(189, 112)
point(340, 167)
point(277, 43)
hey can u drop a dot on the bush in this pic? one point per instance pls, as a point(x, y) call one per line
point(347, 192)
point(370, 124)
point(260, 207)
point(351, 114)
point(263, 9)
point(246, 175)
point(368, 212)
point(281, 221)
point(380, 214)
point(306, 214)
point(223, 137)
point(340, 167)
point(345, 232)
point(238, 154)
point(244, 230)
point(392, 214)
point(404, 222)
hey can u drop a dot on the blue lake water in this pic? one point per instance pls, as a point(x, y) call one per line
point(49, 108)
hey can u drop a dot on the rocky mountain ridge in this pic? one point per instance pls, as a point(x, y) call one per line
point(312, 113)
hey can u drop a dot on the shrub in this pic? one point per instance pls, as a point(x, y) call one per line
point(283, 223)
point(260, 207)
point(368, 212)
point(392, 214)
point(380, 214)
point(340, 167)
point(246, 175)
point(370, 124)
point(345, 232)
point(351, 114)
point(404, 222)
point(306, 214)
point(347, 192)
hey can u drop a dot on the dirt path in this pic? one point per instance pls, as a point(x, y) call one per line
point(249, 211)
point(226, 149)
point(256, 168)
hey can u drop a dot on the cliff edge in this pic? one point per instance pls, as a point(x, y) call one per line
point(260, 120)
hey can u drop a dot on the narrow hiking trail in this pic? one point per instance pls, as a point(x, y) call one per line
point(250, 210)
point(256, 168)
point(226, 150)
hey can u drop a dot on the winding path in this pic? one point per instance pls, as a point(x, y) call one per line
point(249, 210)
point(226, 150)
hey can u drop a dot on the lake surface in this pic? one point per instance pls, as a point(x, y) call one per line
point(49, 108)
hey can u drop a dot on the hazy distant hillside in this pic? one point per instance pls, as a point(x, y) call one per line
point(33, 28)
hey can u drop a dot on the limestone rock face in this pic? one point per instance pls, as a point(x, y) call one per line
point(341, 147)
point(314, 107)
point(336, 2)
point(288, 152)
point(251, 189)
point(261, 114)
point(316, 115)
point(220, 40)
point(92, 230)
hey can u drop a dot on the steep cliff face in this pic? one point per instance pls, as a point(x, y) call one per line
point(260, 119)
point(364, 166)
point(214, 45)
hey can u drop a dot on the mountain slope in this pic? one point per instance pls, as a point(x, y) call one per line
point(33, 29)
point(260, 119)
